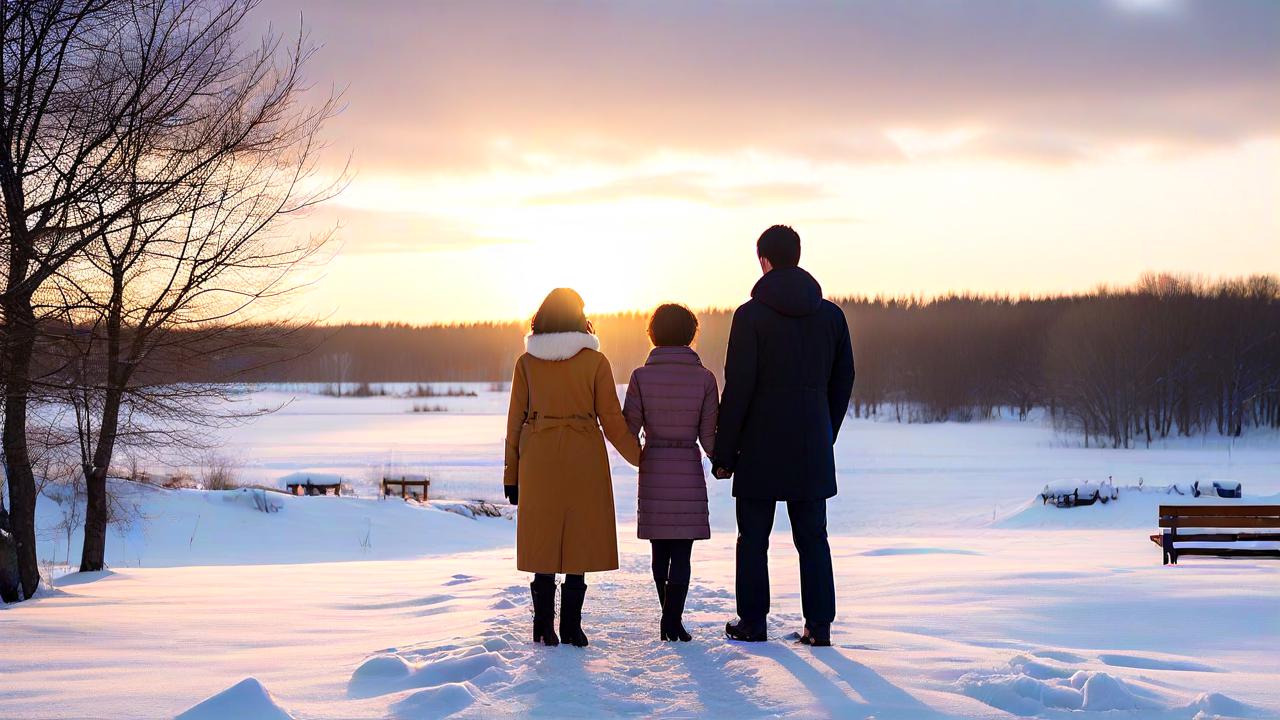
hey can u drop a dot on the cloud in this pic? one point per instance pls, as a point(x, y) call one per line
point(372, 231)
point(685, 187)
point(486, 84)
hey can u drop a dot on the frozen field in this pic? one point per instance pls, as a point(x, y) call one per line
point(959, 595)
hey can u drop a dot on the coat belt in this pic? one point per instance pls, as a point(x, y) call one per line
point(659, 443)
point(578, 422)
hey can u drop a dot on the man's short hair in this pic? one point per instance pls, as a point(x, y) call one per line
point(780, 245)
point(672, 325)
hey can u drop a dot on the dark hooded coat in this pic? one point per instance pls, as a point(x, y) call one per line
point(788, 379)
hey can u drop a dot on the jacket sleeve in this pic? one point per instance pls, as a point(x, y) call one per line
point(840, 386)
point(633, 408)
point(610, 414)
point(739, 385)
point(517, 412)
point(710, 414)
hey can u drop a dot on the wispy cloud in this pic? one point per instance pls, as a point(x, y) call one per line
point(685, 187)
point(447, 85)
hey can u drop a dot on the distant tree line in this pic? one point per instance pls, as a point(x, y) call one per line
point(1167, 356)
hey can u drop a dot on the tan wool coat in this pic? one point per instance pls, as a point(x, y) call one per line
point(562, 396)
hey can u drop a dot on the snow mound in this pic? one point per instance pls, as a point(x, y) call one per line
point(1032, 687)
point(1035, 686)
point(248, 498)
point(383, 674)
point(1102, 691)
point(436, 702)
point(250, 526)
point(1132, 509)
point(246, 700)
point(1219, 705)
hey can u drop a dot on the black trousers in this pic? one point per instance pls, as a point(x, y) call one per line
point(671, 561)
point(809, 532)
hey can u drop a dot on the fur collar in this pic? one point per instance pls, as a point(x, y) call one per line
point(559, 346)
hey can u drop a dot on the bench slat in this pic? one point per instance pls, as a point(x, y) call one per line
point(1220, 510)
point(1226, 537)
point(1229, 552)
point(1220, 522)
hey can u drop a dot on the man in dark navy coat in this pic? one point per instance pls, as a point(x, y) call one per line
point(788, 378)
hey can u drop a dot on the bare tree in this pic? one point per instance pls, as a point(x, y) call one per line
point(54, 144)
point(174, 279)
point(114, 112)
point(8, 557)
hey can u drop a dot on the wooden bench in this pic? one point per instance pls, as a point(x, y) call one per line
point(309, 488)
point(406, 486)
point(1227, 519)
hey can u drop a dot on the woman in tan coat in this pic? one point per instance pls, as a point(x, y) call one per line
point(557, 468)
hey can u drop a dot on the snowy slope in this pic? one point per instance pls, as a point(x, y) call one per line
point(960, 595)
point(195, 527)
point(965, 626)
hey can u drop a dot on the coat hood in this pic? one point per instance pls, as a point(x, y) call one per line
point(559, 346)
point(789, 291)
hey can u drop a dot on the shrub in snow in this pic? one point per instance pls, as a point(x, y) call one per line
point(470, 509)
point(218, 472)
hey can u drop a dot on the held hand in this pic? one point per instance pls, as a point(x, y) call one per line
point(512, 492)
point(721, 473)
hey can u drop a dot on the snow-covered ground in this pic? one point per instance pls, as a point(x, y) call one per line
point(960, 595)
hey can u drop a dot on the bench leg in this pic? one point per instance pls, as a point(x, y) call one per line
point(1167, 542)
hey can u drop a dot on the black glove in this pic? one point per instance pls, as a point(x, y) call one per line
point(512, 492)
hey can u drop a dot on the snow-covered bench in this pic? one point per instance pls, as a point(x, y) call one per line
point(313, 488)
point(1078, 493)
point(1229, 541)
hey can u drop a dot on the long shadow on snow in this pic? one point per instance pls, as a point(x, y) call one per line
point(883, 698)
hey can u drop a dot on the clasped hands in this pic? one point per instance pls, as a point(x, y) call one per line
point(513, 491)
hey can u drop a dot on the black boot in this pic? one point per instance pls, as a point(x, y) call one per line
point(816, 635)
point(571, 597)
point(673, 611)
point(661, 585)
point(544, 611)
point(747, 630)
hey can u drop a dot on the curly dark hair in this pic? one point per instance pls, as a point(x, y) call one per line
point(561, 311)
point(672, 325)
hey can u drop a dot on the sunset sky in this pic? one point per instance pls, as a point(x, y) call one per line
point(634, 150)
